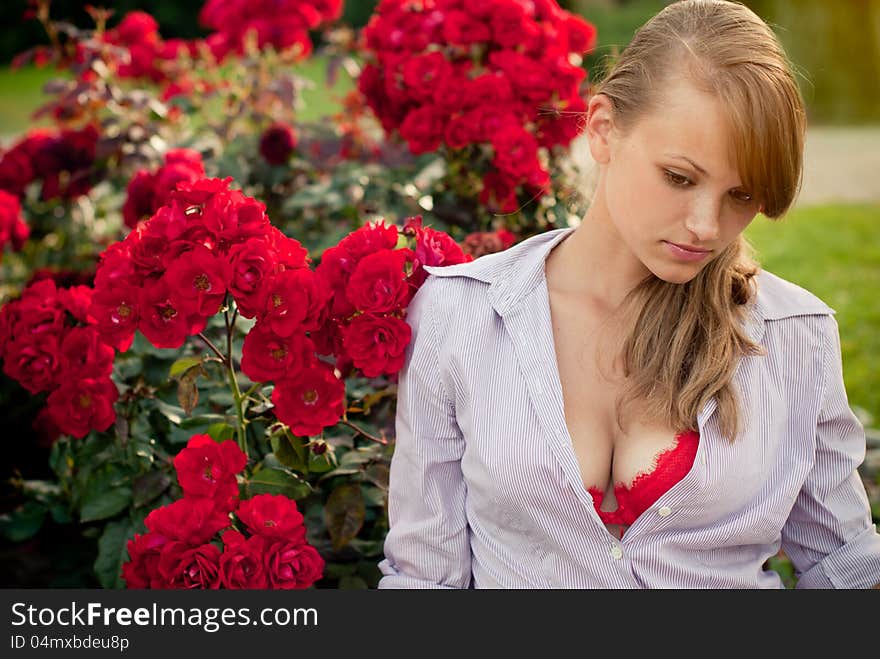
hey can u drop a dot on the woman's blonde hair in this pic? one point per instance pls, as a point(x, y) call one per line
point(685, 340)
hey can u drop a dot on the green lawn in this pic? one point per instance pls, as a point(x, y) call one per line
point(834, 252)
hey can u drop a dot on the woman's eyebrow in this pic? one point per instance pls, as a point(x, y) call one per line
point(695, 165)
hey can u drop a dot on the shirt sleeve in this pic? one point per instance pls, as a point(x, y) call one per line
point(428, 544)
point(829, 535)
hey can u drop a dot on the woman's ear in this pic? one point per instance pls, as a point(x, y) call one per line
point(599, 127)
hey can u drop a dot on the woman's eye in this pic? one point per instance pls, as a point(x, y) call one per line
point(676, 179)
point(743, 197)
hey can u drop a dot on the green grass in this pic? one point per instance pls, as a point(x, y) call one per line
point(834, 252)
point(20, 94)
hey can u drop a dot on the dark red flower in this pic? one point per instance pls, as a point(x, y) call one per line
point(291, 565)
point(13, 231)
point(141, 570)
point(197, 281)
point(295, 301)
point(190, 520)
point(273, 516)
point(161, 321)
point(252, 263)
point(241, 564)
point(379, 284)
point(206, 468)
point(84, 404)
point(34, 362)
point(277, 143)
point(311, 401)
point(184, 567)
point(377, 343)
point(265, 356)
point(85, 355)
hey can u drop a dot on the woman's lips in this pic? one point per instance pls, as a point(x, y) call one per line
point(685, 254)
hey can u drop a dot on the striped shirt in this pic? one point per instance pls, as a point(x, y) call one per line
point(486, 492)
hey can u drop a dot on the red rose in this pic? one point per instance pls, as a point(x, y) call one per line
point(252, 263)
point(377, 343)
point(463, 29)
point(83, 404)
point(581, 34)
point(197, 192)
point(197, 282)
point(499, 192)
point(193, 521)
point(77, 300)
point(161, 321)
point(206, 468)
point(242, 565)
point(516, 153)
point(511, 25)
point(34, 362)
point(379, 284)
point(434, 248)
point(265, 356)
point(295, 301)
point(291, 565)
point(423, 129)
point(310, 402)
point(15, 171)
point(183, 567)
point(290, 252)
point(115, 307)
point(85, 355)
point(233, 217)
point(273, 516)
point(13, 230)
point(277, 143)
point(142, 568)
point(137, 27)
point(422, 72)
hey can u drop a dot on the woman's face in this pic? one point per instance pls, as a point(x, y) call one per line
point(658, 197)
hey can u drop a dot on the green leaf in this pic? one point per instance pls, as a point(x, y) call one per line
point(278, 481)
point(148, 486)
point(344, 514)
point(101, 501)
point(112, 553)
point(289, 450)
point(182, 365)
point(220, 432)
point(319, 464)
point(222, 398)
point(378, 474)
point(171, 412)
point(201, 420)
point(24, 522)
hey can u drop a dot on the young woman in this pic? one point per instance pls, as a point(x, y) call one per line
point(634, 402)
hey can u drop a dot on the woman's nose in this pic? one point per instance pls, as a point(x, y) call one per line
point(704, 222)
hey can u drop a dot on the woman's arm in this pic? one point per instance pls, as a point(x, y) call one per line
point(428, 545)
point(829, 535)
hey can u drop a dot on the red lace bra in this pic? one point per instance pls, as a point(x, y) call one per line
point(673, 464)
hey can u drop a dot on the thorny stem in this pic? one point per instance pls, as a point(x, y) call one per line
point(361, 431)
point(214, 348)
point(240, 432)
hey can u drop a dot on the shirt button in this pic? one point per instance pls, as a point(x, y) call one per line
point(616, 552)
point(665, 511)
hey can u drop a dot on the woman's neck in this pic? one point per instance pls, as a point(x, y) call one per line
point(593, 263)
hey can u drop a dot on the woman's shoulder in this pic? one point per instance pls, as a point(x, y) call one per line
point(779, 298)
